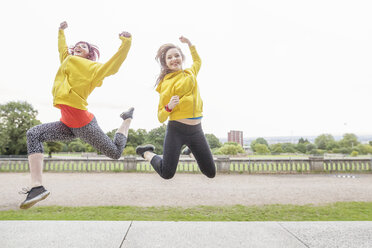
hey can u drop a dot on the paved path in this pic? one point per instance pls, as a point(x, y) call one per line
point(141, 189)
point(142, 234)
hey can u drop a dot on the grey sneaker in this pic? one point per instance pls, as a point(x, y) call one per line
point(127, 114)
point(186, 151)
point(34, 195)
point(140, 150)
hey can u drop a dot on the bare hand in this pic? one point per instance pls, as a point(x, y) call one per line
point(63, 25)
point(125, 34)
point(185, 40)
point(174, 101)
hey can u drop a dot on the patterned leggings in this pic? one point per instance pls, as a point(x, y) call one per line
point(90, 133)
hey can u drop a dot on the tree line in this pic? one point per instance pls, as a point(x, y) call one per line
point(324, 143)
point(17, 117)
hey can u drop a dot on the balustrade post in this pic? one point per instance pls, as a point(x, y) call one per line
point(223, 164)
point(316, 164)
point(130, 163)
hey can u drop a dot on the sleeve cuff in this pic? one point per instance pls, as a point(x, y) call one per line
point(125, 38)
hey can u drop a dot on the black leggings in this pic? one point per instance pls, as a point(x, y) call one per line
point(177, 135)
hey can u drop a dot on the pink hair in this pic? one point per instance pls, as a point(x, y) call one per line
point(93, 50)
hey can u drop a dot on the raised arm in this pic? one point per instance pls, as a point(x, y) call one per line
point(195, 56)
point(62, 46)
point(112, 66)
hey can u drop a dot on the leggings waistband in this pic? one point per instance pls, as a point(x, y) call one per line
point(184, 128)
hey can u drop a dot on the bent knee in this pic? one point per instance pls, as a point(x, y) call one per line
point(115, 156)
point(167, 175)
point(212, 175)
point(110, 153)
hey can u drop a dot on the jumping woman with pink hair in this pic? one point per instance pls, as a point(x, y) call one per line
point(76, 78)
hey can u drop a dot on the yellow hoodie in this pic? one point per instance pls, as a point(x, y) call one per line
point(183, 84)
point(77, 77)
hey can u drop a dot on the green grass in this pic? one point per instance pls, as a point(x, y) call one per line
point(341, 211)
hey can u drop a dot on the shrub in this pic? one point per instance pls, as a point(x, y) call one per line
point(261, 149)
point(230, 149)
point(354, 154)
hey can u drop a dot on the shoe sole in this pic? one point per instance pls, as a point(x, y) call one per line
point(140, 150)
point(30, 203)
point(187, 152)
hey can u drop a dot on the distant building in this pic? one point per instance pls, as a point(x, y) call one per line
point(235, 136)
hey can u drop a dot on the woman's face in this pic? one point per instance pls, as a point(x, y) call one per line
point(81, 50)
point(173, 59)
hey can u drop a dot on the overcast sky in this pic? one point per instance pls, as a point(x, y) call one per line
point(269, 68)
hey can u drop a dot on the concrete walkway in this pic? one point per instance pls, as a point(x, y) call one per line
point(152, 234)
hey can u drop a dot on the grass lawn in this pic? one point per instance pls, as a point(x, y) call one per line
point(341, 211)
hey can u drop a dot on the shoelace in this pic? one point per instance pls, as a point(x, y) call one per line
point(24, 191)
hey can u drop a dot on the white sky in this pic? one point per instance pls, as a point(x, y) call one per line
point(270, 68)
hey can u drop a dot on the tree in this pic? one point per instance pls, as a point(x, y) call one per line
point(325, 142)
point(301, 147)
point(77, 145)
point(89, 148)
point(332, 145)
point(349, 140)
point(112, 133)
point(230, 148)
point(303, 141)
point(289, 147)
point(310, 148)
point(276, 148)
point(364, 149)
point(156, 137)
point(343, 150)
point(15, 119)
point(136, 138)
point(261, 149)
point(53, 147)
point(213, 141)
point(258, 141)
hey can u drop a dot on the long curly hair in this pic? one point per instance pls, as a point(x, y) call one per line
point(93, 50)
point(160, 57)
